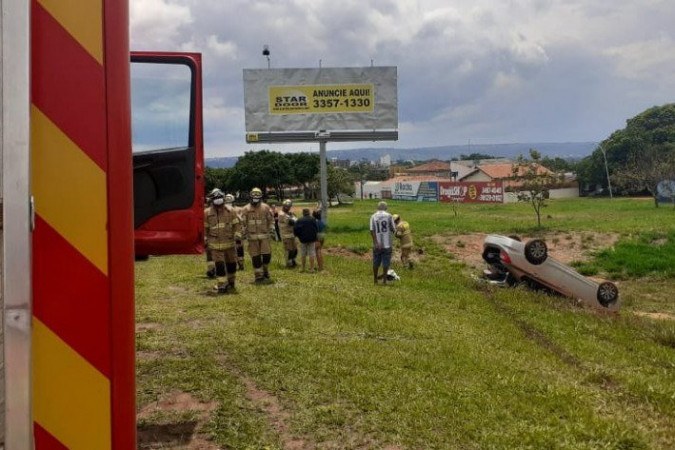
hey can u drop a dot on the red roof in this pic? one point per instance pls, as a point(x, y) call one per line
point(432, 166)
point(500, 171)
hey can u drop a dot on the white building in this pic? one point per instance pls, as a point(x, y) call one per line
point(385, 161)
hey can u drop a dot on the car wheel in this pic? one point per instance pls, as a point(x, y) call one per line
point(608, 294)
point(536, 251)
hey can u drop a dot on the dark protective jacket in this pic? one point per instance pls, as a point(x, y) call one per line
point(306, 229)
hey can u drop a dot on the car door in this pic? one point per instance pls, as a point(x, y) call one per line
point(168, 153)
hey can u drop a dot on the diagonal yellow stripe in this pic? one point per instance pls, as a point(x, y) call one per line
point(71, 398)
point(69, 190)
point(83, 19)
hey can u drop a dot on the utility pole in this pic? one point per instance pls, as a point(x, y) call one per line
point(609, 183)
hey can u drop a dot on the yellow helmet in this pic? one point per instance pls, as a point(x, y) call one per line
point(396, 217)
point(256, 193)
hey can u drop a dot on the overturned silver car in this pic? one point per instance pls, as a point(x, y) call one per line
point(512, 262)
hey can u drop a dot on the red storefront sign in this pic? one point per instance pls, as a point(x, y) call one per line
point(471, 192)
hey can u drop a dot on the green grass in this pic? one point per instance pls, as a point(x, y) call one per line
point(648, 253)
point(434, 361)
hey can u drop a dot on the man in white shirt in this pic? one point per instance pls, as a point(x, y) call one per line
point(381, 230)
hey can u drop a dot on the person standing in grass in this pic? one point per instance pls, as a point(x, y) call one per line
point(381, 229)
point(307, 230)
point(259, 220)
point(404, 235)
point(285, 222)
point(221, 228)
point(320, 239)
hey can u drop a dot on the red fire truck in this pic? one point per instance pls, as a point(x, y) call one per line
point(93, 151)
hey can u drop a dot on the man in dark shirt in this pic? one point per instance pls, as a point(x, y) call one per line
point(306, 229)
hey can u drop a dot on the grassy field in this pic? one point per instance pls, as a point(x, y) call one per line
point(435, 361)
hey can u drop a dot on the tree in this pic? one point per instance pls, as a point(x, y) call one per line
point(476, 156)
point(653, 127)
point(559, 164)
point(217, 178)
point(647, 166)
point(535, 182)
point(263, 169)
point(340, 181)
point(304, 167)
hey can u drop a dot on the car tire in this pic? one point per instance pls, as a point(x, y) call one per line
point(608, 294)
point(536, 251)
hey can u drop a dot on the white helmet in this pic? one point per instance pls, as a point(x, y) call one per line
point(229, 199)
point(215, 192)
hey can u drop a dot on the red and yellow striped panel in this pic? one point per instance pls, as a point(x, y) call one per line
point(71, 296)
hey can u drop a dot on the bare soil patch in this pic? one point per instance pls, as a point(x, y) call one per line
point(655, 315)
point(343, 251)
point(176, 434)
point(563, 246)
point(143, 326)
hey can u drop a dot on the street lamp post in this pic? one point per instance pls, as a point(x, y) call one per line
point(609, 183)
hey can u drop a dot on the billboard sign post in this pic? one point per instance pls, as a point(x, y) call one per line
point(321, 105)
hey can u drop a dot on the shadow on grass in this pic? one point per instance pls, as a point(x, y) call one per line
point(175, 434)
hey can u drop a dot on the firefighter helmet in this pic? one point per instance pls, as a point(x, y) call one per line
point(229, 199)
point(256, 193)
point(396, 217)
point(287, 203)
point(214, 192)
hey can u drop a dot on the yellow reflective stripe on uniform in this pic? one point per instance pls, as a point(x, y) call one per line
point(258, 236)
point(221, 246)
point(218, 226)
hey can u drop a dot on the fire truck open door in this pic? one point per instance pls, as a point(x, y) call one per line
point(67, 228)
point(168, 153)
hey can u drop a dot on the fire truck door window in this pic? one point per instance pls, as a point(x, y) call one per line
point(162, 119)
point(160, 106)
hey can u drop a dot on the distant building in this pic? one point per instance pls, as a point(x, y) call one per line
point(343, 163)
point(385, 161)
point(433, 168)
point(499, 172)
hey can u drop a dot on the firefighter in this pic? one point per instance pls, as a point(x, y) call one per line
point(259, 221)
point(210, 265)
point(404, 234)
point(286, 220)
point(222, 227)
point(238, 243)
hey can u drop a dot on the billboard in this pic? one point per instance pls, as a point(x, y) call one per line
point(330, 99)
point(471, 192)
point(421, 191)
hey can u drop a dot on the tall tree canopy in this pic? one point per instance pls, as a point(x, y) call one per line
point(267, 170)
point(645, 148)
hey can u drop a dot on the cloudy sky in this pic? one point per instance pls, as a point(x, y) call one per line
point(481, 70)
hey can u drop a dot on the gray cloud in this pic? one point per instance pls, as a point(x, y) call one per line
point(522, 70)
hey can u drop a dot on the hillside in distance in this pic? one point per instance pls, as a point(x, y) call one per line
point(566, 150)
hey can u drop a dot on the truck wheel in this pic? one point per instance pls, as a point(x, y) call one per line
point(536, 251)
point(608, 294)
